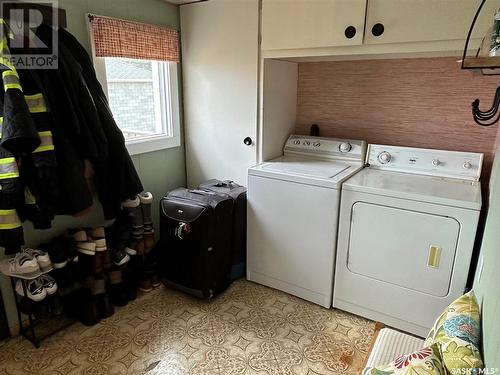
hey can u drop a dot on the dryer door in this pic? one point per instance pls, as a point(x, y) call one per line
point(410, 249)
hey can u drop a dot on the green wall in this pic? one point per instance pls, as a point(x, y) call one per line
point(487, 282)
point(160, 171)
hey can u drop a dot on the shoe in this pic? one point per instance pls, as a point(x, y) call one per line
point(41, 257)
point(49, 283)
point(34, 288)
point(146, 199)
point(67, 246)
point(133, 208)
point(21, 265)
point(87, 248)
point(57, 254)
point(120, 257)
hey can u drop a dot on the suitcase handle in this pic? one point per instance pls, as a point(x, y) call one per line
point(200, 192)
point(224, 183)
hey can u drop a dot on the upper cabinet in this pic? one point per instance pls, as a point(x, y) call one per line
point(291, 24)
point(323, 27)
point(406, 21)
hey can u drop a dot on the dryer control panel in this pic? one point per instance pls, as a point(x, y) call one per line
point(329, 148)
point(439, 163)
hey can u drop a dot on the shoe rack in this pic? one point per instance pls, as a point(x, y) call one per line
point(37, 327)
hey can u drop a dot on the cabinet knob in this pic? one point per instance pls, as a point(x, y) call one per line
point(350, 32)
point(378, 29)
point(248, 141)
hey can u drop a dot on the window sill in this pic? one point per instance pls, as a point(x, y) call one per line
point(144, 145)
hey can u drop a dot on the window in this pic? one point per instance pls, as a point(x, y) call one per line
point(136, 64)
point(143, 96)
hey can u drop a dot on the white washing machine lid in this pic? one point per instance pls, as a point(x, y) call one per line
point(438, 190)
point(321, 172)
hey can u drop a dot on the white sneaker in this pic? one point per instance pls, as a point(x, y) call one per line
point(22, 265)
point(49, 284)
point(34, 288)
point(41, 257)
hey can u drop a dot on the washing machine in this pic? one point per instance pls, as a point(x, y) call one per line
point(293, 206)
point(407, 227)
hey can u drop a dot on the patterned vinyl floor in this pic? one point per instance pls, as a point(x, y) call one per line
point(250, 329)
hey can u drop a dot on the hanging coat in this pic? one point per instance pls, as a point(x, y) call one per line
point(13, 110)
point(115, 177)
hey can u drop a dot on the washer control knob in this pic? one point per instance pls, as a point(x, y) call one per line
point(467, 165)
point(296, 142)
point(316, 144)
point(384, 157)
point(307, 143)
point(436, 162)
point(345, 147)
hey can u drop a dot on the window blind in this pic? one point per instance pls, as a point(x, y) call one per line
point(114, 37)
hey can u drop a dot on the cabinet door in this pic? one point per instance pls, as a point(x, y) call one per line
point(426, 20)
point(290, 24)
point(220, 74)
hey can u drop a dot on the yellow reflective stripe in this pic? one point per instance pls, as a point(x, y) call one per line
point(6, 62)
point(9, 219)
point(36, 103)
point(6, 73)
point(11, 80)
point(7, 160)
point(8, 168)
point(12, 86)
point(46, 142)
point(34, 96)
point(4, 46)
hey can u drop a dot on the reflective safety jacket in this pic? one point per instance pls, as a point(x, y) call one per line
point(11, 193)
point(26, 153)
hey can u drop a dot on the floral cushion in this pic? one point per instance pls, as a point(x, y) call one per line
point(458, 332)
point(426, 361)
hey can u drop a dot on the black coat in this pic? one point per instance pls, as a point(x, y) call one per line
point(115, 176)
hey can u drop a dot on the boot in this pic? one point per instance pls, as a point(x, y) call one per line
point(117, 291)
point(133, 208)
point(149, 232)
point(130, 283)
point(89, 312)
point(98, 290)
point(118, 237)
point(98, 236)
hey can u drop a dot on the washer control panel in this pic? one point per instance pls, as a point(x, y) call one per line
point(331, 148)
point(440, 163)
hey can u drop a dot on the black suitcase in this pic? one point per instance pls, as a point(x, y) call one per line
point(195, 241)
point(239, 236)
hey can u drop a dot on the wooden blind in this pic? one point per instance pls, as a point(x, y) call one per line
point(114, 37)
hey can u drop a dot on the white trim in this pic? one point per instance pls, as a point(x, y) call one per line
point(154, 143)
point(171, 107)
